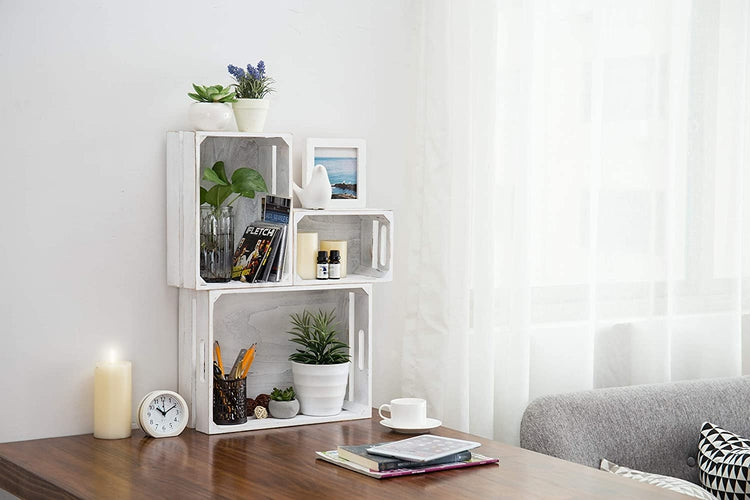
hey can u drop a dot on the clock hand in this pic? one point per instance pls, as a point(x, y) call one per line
point(165, 413)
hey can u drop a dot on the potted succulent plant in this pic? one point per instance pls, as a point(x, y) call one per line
point(217, 220)
point(282, 403)
point(211, 109)
point(252, 86)
point(320, 365)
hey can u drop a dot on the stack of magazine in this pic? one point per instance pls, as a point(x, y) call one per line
point(260, 253)
point(416, 455)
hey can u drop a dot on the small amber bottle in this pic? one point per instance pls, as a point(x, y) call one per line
point(334, 265)
point(322, 268)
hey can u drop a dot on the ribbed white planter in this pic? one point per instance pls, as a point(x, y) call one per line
point(250, 114)
point(210, 115)
point(320, 389)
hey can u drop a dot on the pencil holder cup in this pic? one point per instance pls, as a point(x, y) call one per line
point(230, 401)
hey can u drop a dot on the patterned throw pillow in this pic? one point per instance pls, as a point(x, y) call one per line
point(724, 461)
point(668, 482)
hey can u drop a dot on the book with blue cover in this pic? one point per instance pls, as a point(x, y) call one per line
point(276, 209)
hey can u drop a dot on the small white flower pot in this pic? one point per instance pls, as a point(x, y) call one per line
point(320, 389)
point(250, 114)
point(210, 116)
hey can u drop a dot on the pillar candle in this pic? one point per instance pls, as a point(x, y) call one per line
point(339, 245)
point(307, 253)
point(113, 391)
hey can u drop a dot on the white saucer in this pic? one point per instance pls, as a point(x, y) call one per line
point(430, 424)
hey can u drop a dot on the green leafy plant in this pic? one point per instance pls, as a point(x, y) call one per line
point(316, 335)
point(214, 93)
point(283, 395)
point(245, 182)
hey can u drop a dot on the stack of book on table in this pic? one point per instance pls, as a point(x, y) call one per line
point(416, 455)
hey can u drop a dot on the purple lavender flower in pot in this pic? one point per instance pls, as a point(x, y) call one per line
point(250, 88)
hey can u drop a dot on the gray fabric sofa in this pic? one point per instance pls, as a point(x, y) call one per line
point(653, 428)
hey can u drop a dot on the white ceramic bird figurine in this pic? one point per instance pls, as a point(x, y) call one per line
point(317, 193)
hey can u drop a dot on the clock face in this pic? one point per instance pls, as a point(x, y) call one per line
point(163, 414)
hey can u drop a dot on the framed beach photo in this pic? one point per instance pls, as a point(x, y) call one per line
point(344, 160)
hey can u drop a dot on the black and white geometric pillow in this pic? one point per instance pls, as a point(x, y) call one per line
point(724, 461)
point(667, 482)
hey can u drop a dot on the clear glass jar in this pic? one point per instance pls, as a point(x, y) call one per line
point(217, 244)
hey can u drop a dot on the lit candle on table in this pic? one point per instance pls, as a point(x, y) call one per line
point(113, 391)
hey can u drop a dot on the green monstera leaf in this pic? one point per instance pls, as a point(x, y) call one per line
point(245, 183)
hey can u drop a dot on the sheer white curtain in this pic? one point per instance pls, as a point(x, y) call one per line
point(579, 201)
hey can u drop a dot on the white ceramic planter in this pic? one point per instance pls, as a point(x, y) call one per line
point(212, 116)
point(283, 409)
point(250, 114)
point(320, 389)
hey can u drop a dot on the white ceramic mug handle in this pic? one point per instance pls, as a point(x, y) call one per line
point(380, 411)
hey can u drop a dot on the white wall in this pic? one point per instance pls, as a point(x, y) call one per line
point(88, 92)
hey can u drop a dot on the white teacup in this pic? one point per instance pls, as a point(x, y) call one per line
point(406, 412)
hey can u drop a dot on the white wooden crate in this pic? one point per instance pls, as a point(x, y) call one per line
point(369, 236)
point(188, 155)
point(240, 317)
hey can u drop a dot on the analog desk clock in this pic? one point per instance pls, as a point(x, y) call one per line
point(162, 414)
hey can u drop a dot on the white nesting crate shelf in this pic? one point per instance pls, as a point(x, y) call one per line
point(369, 236)
point(188, 155)
point(240, 317)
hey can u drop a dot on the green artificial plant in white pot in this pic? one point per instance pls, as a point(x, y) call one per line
point(251, 107)
point(320, 365)
point(212, 107)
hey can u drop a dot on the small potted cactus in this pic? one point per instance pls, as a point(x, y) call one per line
point(283, 404)
point(212, 109)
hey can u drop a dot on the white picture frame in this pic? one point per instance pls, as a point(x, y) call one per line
point(337, 155)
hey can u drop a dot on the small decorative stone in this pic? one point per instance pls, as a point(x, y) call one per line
point(260, 412)
point(251, 404)
point(262, 400)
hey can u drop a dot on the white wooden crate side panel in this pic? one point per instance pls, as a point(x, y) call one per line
point(362, 354)
point(238, 318)
point(369, 236)
point(174, 184)
point(203, 348)
point(186, 362)
point(181, 223)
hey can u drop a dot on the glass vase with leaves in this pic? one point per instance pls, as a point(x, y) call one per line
point(217, 219)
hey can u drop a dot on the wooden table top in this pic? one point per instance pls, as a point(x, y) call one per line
point(281, 463)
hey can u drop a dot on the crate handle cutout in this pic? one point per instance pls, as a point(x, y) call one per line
point(352, 298)
point(383, 239)
point(268, 156)
point(203, 360)
point(375, 244)
point(361, 352)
